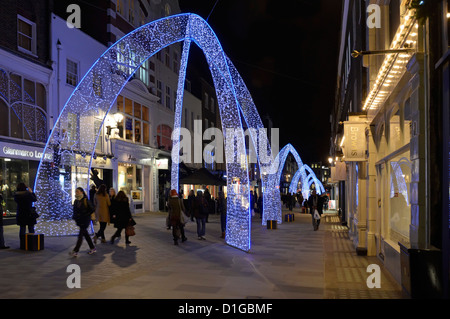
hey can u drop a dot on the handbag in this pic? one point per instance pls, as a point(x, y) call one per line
point(34, 214)
point(316, 214)
point(129, 231)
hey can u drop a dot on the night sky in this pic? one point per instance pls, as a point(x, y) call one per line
point(286, 52)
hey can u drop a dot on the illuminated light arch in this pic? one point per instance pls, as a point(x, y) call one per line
point(257, 133)
point(73, 139)
point(277, 170)
point(307, 181)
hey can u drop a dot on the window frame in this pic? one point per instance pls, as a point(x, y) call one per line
point(33, 46)
point(77, 66)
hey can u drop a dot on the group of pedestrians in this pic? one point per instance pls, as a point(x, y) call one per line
point(103, 208)
point(198, 207)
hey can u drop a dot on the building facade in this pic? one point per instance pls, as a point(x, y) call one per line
point(25, 95)
point(386, 127)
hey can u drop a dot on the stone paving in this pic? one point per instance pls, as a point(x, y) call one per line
point(291, 262)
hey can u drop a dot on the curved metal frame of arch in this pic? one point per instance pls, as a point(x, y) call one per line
point(73, 139)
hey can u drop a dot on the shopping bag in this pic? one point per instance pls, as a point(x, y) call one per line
point(316, 214)
point(129, 231)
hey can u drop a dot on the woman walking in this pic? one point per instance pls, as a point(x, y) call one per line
point(24, 198)
point(121, 215)
point(176, 218)
point(82, 210)
point(102, 203)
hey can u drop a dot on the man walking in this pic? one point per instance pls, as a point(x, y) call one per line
point(315, 203)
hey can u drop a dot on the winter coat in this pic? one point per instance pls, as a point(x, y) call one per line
point(190, 205)
point(319, 204)
point(24, 200)
point(176, 209)
point(102, 204)
point(120, 212)
point(222, 205)
point(82, 211)
point(201, 208)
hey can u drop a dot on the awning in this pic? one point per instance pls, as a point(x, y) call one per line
point(202, 177)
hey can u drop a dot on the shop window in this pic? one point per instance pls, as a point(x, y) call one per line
point(130, 177)
point(395, 134)
point(12, 172)
point(399, 198)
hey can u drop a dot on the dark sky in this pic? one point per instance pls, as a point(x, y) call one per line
point(286, 52)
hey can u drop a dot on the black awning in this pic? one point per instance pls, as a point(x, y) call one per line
point(202, 177)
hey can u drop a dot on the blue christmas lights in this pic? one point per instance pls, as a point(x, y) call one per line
point(74, 135)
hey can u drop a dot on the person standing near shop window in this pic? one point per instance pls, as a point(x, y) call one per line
point(2, 240)
point(24, 198)
point(101, 203)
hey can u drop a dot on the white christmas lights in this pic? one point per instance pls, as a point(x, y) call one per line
point(74, 134)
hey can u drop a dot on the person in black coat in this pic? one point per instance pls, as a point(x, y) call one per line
point(121, 215)
point(24, 198)
point(2, 240)
point(315, 202)
point(190, 204)
point(200, 214)
point(82, 210)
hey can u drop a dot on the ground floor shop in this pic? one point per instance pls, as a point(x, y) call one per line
point(18, 164)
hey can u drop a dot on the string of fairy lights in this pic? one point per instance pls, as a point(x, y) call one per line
point(75, 134)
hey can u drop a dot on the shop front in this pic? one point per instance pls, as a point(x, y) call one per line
point(18, 164)
point(135, 171)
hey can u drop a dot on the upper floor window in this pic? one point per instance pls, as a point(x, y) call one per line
point(23, 106)
point(26, 35)
point(120, 8)
point(71, 73)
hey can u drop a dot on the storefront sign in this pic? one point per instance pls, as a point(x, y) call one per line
point(354, 146)
point(339, 172)
point(162, 163)
point(22, 152)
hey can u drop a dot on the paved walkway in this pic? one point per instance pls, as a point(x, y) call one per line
point(291, 262)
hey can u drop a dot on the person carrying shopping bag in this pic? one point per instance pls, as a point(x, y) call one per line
point(121, 216)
